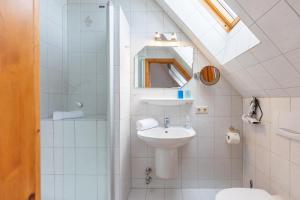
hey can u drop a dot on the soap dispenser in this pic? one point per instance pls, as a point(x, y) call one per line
point(187, 94)
point(187, 122)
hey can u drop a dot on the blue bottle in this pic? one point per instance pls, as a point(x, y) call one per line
point(180, 93)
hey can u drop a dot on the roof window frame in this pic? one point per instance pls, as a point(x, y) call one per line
point(221, 10)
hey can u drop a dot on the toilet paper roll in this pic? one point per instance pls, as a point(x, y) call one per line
point(233, 138)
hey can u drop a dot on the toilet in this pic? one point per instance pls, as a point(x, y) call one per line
point(245, 194)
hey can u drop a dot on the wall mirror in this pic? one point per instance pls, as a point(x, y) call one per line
point(210, 75)
point(163, 66)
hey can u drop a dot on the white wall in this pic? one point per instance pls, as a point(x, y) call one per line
point(207, 161)
point(207, 33)
point(122, 105)
point(272, 68)
point(73, 57)
point(74, 159)
point(73, 68)
point(260, 71)
point(272, 161)
point(53, 91)
point(86, 65)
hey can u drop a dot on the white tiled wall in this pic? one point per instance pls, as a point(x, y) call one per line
point(73, 57)
point(260, 71)
point(86, 56)
point(207, 161)
point(272, 161)
point(122, 105)
point(74, 159)
point(53, 92)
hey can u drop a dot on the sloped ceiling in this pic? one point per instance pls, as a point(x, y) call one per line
point(272, 68)
point(205, 31)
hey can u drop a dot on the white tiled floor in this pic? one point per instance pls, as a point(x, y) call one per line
point(172, 194)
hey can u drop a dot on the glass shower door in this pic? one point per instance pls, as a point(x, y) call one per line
point(77, 152)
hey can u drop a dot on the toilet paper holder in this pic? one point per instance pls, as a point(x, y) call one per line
point(233, 130)
point(233, 136)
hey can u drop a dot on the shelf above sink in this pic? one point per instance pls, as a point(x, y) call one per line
point(167, 101)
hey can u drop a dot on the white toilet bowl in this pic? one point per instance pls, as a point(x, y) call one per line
point(244, 194)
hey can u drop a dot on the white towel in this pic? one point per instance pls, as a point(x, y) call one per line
point(145, 124)
point(58, 115)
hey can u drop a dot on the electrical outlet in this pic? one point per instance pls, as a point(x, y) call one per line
point(201, 109)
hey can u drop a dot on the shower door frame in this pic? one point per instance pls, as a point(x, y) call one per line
point(110, 100)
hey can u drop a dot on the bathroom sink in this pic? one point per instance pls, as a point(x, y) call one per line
point(167, 138)
point(166, 142)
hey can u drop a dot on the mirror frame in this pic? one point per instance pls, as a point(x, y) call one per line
point(215, 81)
point(173, 61)
point(189, 76)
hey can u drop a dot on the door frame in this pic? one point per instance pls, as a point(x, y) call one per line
point(36, 40)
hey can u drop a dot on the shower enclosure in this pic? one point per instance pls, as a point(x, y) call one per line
point(77, 84)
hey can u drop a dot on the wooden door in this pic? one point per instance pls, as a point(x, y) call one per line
point(19, 100)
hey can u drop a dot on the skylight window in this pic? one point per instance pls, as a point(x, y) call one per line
point(225, 14)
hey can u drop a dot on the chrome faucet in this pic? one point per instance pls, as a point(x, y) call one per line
point(166, 122)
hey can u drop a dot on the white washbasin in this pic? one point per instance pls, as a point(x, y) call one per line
point(166, 142)
point(167, 138)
